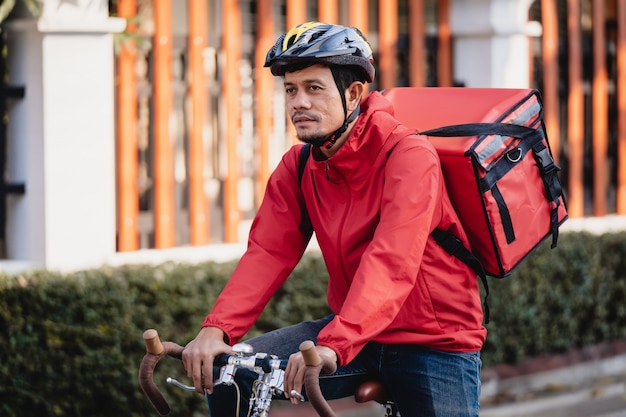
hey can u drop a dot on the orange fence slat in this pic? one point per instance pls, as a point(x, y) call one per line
point(358, 17)
point(232, 93)
point(163, 152)
point(198, 207)
point(264, 91)
point(417, 70)
point(621, 107)
point(127, 166)
point(296, 13)
point(550, 60)
point(575, 111)
point(327, 11)
point(444, 44)
point(387, 42)
point(600, 110)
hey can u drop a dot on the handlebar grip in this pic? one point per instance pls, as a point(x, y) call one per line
point(152, 341)
point(310, 355)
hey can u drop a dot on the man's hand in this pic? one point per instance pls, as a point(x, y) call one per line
point(294, 374)
point(199, 354)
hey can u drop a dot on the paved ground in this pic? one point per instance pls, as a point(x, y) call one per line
point(591, 383)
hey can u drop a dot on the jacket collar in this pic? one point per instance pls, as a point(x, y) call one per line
point(366, 139)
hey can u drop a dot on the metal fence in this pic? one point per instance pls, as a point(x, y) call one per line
point(201, 123)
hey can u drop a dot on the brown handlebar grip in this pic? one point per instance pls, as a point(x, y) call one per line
point(310, 355)
point(152, 341)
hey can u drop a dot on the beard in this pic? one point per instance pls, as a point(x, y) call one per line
point(315, 140)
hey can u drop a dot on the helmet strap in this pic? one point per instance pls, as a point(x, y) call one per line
point(337, 133)
point(346, 119)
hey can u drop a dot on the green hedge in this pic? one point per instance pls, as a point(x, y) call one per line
point(70, 345)
point(569, 297)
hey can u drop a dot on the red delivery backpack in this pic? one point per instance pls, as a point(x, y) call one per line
point(497, 164)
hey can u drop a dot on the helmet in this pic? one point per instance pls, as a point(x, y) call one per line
point(322, 42)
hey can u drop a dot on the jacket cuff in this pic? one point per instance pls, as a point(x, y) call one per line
point(209, 322)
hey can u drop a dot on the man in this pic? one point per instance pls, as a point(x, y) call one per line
point(404, 310)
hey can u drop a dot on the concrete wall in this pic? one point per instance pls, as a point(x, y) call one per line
point(61, 137)
point(491, 42)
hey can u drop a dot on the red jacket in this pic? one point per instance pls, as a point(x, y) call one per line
point(373, 206)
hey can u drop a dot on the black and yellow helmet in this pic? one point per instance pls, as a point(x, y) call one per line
point(322, 42)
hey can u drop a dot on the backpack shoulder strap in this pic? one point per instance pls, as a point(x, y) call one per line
point(304, 156)
point(453, 245)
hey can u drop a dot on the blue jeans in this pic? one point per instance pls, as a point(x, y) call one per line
point(422, 381)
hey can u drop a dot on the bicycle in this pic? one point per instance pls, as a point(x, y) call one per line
point(270, 370)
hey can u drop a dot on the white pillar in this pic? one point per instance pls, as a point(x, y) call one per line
point(491, 47)
point(61, 136)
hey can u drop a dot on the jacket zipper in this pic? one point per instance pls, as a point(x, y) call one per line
point(344, 214)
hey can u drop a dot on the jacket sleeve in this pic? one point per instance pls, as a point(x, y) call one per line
point(388, 270)
point(278, 237)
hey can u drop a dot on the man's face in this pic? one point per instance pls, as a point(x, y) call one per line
point(313, 103)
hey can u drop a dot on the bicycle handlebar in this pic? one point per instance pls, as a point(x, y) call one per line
point(156, 350)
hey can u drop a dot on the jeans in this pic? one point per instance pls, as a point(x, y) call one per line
point(423, 381)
